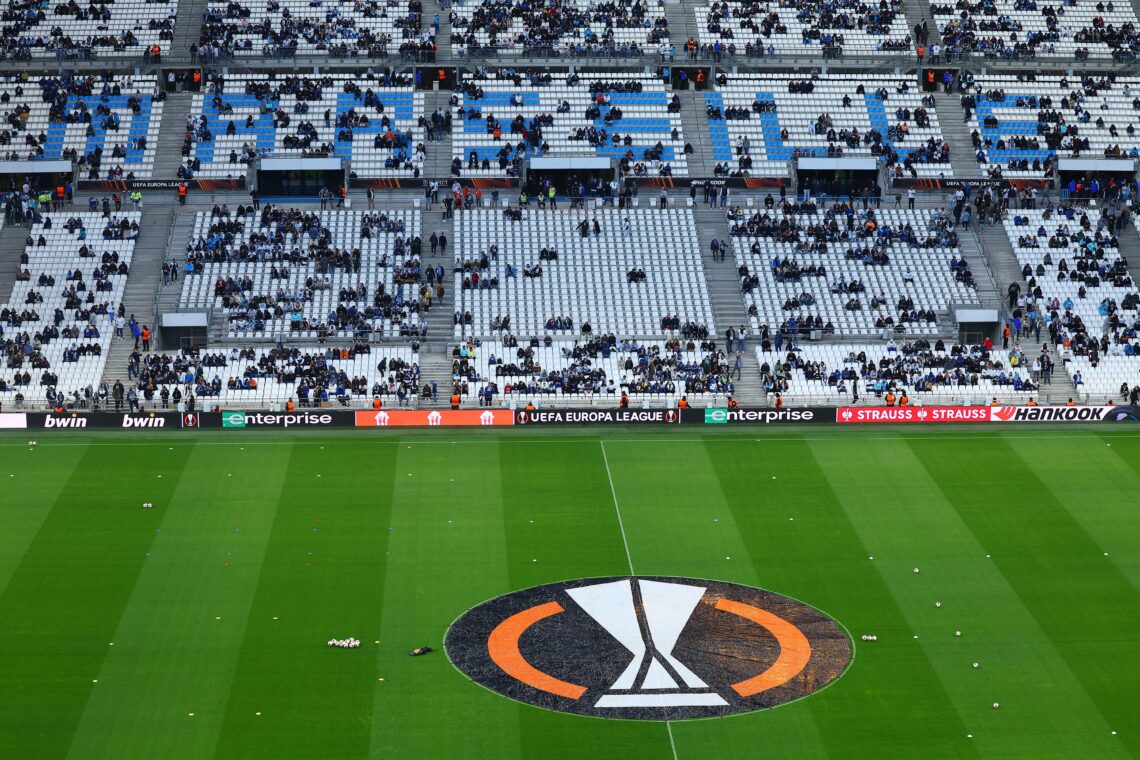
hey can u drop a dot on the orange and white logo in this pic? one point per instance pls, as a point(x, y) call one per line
point(655, 648)
point(435, 418)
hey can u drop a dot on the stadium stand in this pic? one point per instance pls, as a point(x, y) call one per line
point(806, 27)
point(106, 125)
point(617, 27)
point(59, 320)
point(1078, 285)
point(1021, 125)
point(930, 373)
point(631, 273)
point(287, 28)
point(594, 370)
point(308, 274)
point(1019, 29)
point(78, 32)
point(250, 377)
point(759, 122)
point(844, 272)
point(373, 121)
point(628, 118)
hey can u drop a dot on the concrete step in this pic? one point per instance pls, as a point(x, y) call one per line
point(168, 155)
point(11, 247)
point(439, 153)
point(957, 134)
point(188, 28)
point(695, 129)
point(143, 285)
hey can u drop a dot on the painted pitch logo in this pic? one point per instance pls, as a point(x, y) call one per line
point(653, 648)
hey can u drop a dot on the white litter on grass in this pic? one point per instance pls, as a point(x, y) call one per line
point(257, 713)
point(190, 714)
point(791, 519)
point(916, 569)
point(938, 604)
point(996, 705)
point(969, 736)
point(871, 557)
point(1113, 733)
point(218, 618)
point(534, 560)
point(728, 557)
point(94, 680)
point(957, 633)
point(1106, 554)
point(976, 665)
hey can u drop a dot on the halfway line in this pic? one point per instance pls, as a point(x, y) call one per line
point(617, 509)
point(629, 559)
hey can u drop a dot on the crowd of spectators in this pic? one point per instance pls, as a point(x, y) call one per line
point(612, 27)
point(595, 365)
point(73, 31)
point(313, 376)
point(287, 28)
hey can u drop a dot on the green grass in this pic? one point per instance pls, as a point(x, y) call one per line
point(262, 546)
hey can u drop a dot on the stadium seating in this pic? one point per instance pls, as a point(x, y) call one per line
point(49, 119)
point(1028, 29)
point(764, 106)
point(621, 27)
point(1082, 290)
point(490, 105)
point(930, 373)
point(591, 372)
point(285, 28)
point(74, 31)
point(916, 268)
point(1008, 113)
point(297, 275)
point(67, 333)
point(760, 27)
point(289, 116)
point(250, 377)
point(588, 282)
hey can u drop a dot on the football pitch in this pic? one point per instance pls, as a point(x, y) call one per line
point(198, 628)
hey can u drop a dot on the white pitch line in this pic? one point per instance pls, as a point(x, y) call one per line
point(629, 559)
point(613, 492)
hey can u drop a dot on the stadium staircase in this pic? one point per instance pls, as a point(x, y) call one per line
point(188, 28)
point(438, 161)
point(916, 11)
point(11, 246)
point(695, 126)
point(168, 153)
point(1002, 262)
point(1129, 244)
point(435, 352)
point(144, 282)
point(957, 133)
point(682, 26)
point(727, 303)
point(989, 295)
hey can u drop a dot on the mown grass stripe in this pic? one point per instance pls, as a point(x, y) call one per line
point(315, 701)
point(1079, 599)
point(171, 653)
point(436, 571)
point(67, 595)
